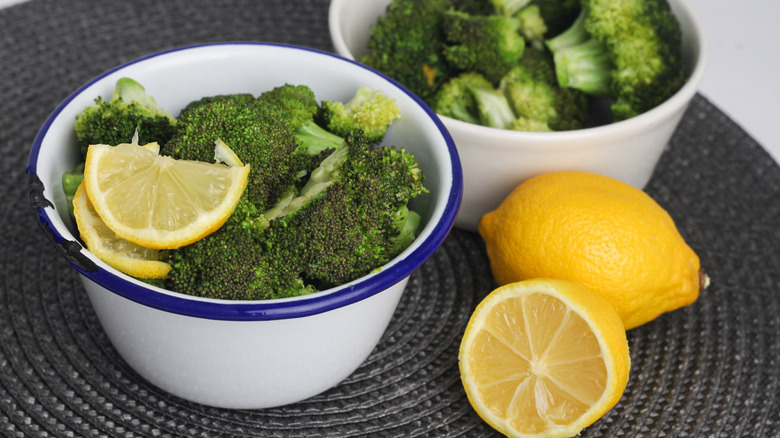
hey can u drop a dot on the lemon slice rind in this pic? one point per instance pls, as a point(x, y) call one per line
point(124, 256)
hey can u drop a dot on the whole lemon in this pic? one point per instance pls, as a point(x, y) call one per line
point(597, 231)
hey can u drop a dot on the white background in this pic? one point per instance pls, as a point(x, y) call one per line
point(743, 72)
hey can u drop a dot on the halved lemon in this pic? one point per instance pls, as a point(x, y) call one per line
point(127, 257)
point(156, 201)
point(544, 358)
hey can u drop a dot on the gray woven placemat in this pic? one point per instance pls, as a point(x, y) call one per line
point(712, 369)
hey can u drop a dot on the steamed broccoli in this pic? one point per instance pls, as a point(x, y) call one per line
point(349, 218)
point(532, 26)
point(258, 136)
point(493, 106)
point(349, 215)
point(455, 99)
point(534, 95)
point(487, 44)
point(352, 215)
point(115, 121)
point(299, 107)
point(629, 51)
point(234, 263)
point(368, 112)
point(321, 207)
point(407, 42)
point(471, 97)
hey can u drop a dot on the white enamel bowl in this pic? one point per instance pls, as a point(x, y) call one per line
point(246, 354)
point(495, 161)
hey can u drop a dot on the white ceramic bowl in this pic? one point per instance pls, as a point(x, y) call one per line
point(246, 354)
point(495, 161)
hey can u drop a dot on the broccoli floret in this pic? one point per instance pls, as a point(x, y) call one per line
point(455, 100)
point(234, 263)
point(368, 113)
point(258, 136)
point(299, 106)
point(406, 43)
point(629, 51)
point(239, 98)
point(352, 216)
point(509, 7)
point(490, 7)
point(493, 108)
point(538, 101)
point(486, 44)
point(470, 97)
point(532, 26)
point(115, 121)
point(297, 103)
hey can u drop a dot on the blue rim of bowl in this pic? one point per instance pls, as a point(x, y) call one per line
point(257, 310)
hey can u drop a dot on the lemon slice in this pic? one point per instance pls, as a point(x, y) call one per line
point(122, 255)
point(544, 358)
point(156, 201)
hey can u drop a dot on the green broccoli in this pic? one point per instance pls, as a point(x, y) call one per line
point(486, 44)
point(509, 7)
point(299, 106)
point(493, 106)
point(258, 136)
point(629, 51)
point(348, 216)
point(536, 98)
point(472, 98)
point(115, 121)
point(455, 99)
point(407, 42)
point(234, 263)
point(70, 183)
point(368, 113)
point(532, 26)
point(352, 215)
point(239, 98)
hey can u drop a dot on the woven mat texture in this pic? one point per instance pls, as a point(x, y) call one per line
point(709, 370)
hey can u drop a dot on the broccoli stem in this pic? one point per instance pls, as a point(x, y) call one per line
point(574, 35)
point(320, 179)
point(70, 183)
point(407, 221)
point(509, 7)
point(316, 139)
point(494, 109)
point(582, 62)
point(132, 91)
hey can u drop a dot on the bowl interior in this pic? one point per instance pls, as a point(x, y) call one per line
point(179, 76)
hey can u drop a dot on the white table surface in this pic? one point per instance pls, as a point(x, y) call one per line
point(743, 72)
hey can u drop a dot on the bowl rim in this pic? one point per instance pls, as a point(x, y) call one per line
point(496, 138)
point(401, 267)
